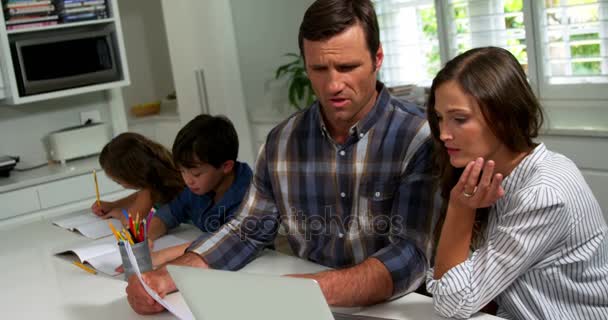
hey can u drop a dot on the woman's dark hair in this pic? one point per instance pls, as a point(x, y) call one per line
point(206, 139)
point(497, 82)
point(143, 164)
point(327, 18)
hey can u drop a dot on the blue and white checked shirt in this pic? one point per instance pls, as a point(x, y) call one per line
point(340, 203)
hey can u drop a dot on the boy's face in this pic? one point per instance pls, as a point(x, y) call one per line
point(203, 178)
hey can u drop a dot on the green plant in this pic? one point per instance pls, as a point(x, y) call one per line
point(300, 90)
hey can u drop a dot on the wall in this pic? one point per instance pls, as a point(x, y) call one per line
point(205, 64)
point(147, 51)
point(589, 152)
point(23, 127)
point(265, 30)
point(583, 114)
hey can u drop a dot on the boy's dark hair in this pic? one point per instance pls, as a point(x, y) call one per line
point(327, 18)
point(206, 139)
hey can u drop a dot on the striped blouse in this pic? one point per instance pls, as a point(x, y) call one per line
point(545, 254)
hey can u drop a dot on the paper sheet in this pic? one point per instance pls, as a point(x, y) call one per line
point(104, 256)
point(181, 311)
point(88, 224)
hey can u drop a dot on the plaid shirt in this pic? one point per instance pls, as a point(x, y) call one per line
point(339, 203)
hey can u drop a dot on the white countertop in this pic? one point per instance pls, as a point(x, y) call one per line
point(36, 284)
point(47, 173)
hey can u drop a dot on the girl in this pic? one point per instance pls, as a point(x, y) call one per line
point(135, 162)
point(538, 235)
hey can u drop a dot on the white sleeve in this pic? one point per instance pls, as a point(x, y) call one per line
point(533, 221)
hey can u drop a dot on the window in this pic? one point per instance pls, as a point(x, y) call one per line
point(408, 31)
point(569, 38)
point(480, 23)
point(574, 41)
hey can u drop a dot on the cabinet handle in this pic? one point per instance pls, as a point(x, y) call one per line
point(202, 90)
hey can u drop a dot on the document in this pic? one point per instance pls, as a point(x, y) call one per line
point(104, 256)
point(176, 304)
point(88, 224)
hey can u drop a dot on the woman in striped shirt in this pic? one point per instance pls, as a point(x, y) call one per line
point(539, 241)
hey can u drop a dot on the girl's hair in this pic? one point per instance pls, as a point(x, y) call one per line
point(143, 164)
point(496, 80)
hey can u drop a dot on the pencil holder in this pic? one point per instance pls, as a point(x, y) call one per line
point(142, 256)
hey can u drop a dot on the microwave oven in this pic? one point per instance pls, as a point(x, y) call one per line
point(67, 58)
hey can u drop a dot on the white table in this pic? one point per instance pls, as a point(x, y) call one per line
point(36, 284)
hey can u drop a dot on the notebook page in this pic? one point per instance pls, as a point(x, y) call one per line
point(98, 229)
point(89, 250)
point(104, 255)
point(88, 224)
point(73, 221)
point(107, 263)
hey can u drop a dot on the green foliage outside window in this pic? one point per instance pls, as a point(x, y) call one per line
point(429, 29)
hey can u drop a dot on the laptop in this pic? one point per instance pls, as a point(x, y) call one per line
point(216, 294)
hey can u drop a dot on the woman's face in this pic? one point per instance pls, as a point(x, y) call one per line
point(463, 129)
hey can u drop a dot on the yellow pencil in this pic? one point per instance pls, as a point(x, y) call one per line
point(128, 236)
point(116, 234)
point(96, 188)
point(85, 268)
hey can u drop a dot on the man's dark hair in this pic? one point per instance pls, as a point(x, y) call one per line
point(206, 139)
point(327, 18)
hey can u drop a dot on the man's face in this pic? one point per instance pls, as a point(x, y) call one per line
point(343, 76)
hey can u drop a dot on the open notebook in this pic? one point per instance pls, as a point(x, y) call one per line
point(88, 224)
point(103, 254)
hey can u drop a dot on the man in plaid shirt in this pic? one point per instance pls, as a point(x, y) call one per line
point(348, 178)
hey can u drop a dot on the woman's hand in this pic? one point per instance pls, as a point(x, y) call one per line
point(472, 192)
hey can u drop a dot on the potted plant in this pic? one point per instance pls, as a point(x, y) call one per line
point(300, 90)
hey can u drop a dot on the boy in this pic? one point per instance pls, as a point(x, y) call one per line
point(205, 152)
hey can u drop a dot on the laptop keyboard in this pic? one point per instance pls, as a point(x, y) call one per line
point(346, 316)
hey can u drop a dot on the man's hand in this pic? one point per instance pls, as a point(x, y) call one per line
point(364, 284)
point(159, 280)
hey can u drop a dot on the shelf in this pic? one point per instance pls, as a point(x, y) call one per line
point(61, 26)
point(68, 92)
point(168, 113)
point(51, 172)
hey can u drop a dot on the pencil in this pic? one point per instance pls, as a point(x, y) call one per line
point(150, 216)
point(96, 188)
point(85, 268)
point(125, 232)
point(137, 224)
point(131, 225)
point(116, 234)
point(124, 212)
